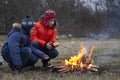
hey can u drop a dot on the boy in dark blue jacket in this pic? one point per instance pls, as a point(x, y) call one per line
point(16, 50)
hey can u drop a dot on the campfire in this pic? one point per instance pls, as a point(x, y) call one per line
point(79, 63)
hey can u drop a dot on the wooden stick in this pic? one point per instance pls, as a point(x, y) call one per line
point(67, 70)
point(91, 52)
point(94, 66)
point(60, 66)
point(93, 69)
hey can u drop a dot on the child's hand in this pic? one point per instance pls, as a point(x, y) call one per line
point(49, 46)
point(56, 44)
point(46, 57)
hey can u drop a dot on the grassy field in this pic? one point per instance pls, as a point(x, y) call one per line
point(106, 55)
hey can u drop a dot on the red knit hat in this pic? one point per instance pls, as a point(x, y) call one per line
point(49, 15)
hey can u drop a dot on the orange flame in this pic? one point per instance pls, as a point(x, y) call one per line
point(80, 61)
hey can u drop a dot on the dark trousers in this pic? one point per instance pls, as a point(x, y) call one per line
point(28, 58)
point(52, 53)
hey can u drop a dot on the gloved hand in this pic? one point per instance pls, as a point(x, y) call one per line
point(18, 69)
point(45, 57)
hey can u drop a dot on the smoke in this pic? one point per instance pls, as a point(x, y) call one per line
point(100, 36)
point(111, 26)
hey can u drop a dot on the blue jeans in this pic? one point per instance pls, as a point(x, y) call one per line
point(52, 53)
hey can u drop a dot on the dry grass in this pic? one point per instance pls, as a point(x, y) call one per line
point(106, 55)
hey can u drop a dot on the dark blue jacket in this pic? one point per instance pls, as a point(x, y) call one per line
point(12, 48)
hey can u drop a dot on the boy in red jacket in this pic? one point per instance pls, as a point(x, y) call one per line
point(43, 37)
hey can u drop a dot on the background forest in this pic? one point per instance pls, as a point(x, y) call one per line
point(78, 18)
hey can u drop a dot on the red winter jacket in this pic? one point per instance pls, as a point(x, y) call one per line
point(42, 34)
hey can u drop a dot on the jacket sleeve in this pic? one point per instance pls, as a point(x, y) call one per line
point(37, 52)
point(53, 38)
point(34, 36)
point(14, 48)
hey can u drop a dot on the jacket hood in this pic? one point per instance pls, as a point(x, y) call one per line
point(16, 25)
point(16, 28)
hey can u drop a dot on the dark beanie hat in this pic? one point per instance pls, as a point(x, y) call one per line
point(27, 24)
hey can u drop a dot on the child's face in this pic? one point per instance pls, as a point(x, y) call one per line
point(31, 31)
point(51, 23)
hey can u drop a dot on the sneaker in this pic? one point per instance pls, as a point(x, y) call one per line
point(1, 60)
point(31, 67)
point(18, 70)
point(47, 66)
point(11, 66)
point(0, 63)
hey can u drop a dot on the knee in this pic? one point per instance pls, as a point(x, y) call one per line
point(34, 61)
point(26, 50)
point(35, 44)
point(54, 53)
point(34, 58)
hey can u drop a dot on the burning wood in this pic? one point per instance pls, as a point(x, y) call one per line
point(82, 62)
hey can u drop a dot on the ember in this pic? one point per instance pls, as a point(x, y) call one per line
point(81, 62)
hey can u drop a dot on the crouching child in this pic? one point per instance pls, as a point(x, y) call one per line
point(43, 38)
point(16, 50)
